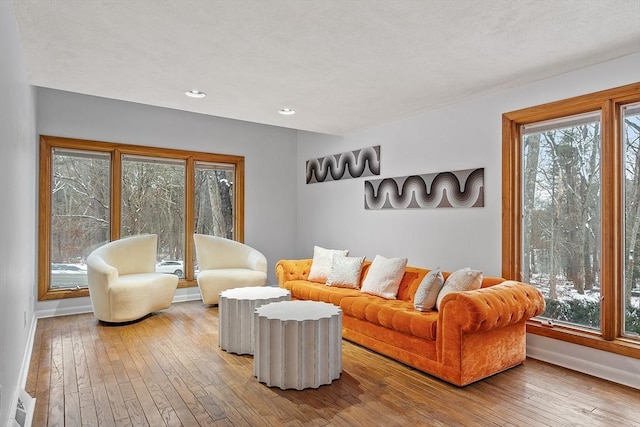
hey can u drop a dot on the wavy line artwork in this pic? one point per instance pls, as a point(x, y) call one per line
point(457, 189)
point(351, 164)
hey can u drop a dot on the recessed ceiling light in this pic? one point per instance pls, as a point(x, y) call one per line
point(195, 94)
point(287, 112)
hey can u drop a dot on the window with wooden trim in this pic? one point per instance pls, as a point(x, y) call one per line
point(571, 215)
point(94, 192)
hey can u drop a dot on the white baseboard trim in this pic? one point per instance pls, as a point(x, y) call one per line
point(24, 372)
point(66, 311)
point(612, 367)
point(26, 360)
point(81, 309)
point(185, 298)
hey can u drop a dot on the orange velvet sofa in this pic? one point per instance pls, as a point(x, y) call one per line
point(475, 334)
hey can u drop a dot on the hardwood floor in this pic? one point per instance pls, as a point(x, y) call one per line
point(168, 370)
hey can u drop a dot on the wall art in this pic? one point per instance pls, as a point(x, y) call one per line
point(352, 164)
point(456, 189)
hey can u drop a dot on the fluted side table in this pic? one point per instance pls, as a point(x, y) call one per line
point(235, 315)
point(298, 344)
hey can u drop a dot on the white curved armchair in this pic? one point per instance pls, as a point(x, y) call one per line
point(123, 284)
point(225, 264)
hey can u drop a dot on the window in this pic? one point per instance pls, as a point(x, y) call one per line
point(561, 217)
point(214, 187)
point(153, 201)
point(631, 140)
point(93, 192)
point(571, 220)
point(80, 210)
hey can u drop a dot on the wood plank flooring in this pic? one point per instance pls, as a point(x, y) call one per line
point(167, 370)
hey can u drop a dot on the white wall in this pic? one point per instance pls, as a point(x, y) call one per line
point(17, 195)
point(269, 151)
point(462, 136)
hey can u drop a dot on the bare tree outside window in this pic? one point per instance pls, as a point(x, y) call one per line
point(214, 200)
point(631, 137)
point(153, 193)
point(561, 217)
point(80, 211)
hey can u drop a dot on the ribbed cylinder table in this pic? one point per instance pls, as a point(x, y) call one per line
point(298, 344)
point(235, 315)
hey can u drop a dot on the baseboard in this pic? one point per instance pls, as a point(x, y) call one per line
point(24, 372)
point(65, 311)
point(26, 360)
point(185, 298)
point(81, 309)
point(612, 367)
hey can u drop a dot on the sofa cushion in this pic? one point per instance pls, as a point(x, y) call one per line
point(304, 289)
point(345, 272)
point(427, 293)
point(393, 314)
point(384, 276)
point(321, 263)
point(461, 280)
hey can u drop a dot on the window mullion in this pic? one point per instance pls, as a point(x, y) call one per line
point(511, 209)
point(189, 201)
point(611, 267)
point(116, 193)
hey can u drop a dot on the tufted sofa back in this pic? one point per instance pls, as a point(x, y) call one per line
point(299, 270)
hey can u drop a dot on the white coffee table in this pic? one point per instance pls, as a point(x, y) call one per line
point(235, 315)
point(298, 344)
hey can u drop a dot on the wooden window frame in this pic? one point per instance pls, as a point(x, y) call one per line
point(609, 102)
point(49, 143)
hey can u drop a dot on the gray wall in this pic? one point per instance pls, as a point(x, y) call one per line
point(269, 151)
point(17, 214)
point(462, 136)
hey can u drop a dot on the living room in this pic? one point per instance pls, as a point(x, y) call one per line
point(284, 216)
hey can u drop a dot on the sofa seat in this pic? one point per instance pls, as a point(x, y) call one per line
point(305, 290)
point(396, 315)
point(475, 334)
point(131, 294)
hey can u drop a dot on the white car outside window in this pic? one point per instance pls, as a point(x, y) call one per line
point(170, 267)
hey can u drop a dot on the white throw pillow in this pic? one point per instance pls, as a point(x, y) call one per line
point(384, 276)
point(345, 272)
point(464, 279)
point(427, 293)
point(321, 263)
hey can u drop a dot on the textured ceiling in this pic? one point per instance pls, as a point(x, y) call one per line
point(342, 65)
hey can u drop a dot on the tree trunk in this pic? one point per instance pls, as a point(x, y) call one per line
point(214, 196)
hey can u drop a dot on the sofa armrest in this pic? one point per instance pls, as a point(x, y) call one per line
point(296, 269)
point(493, 307)
point(257, 261)
point(101, 270)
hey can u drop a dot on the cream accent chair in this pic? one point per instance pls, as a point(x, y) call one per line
point(225, 264)
point(123, 283)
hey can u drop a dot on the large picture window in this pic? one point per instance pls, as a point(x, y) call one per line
point(571, 220)
point(94, 192)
